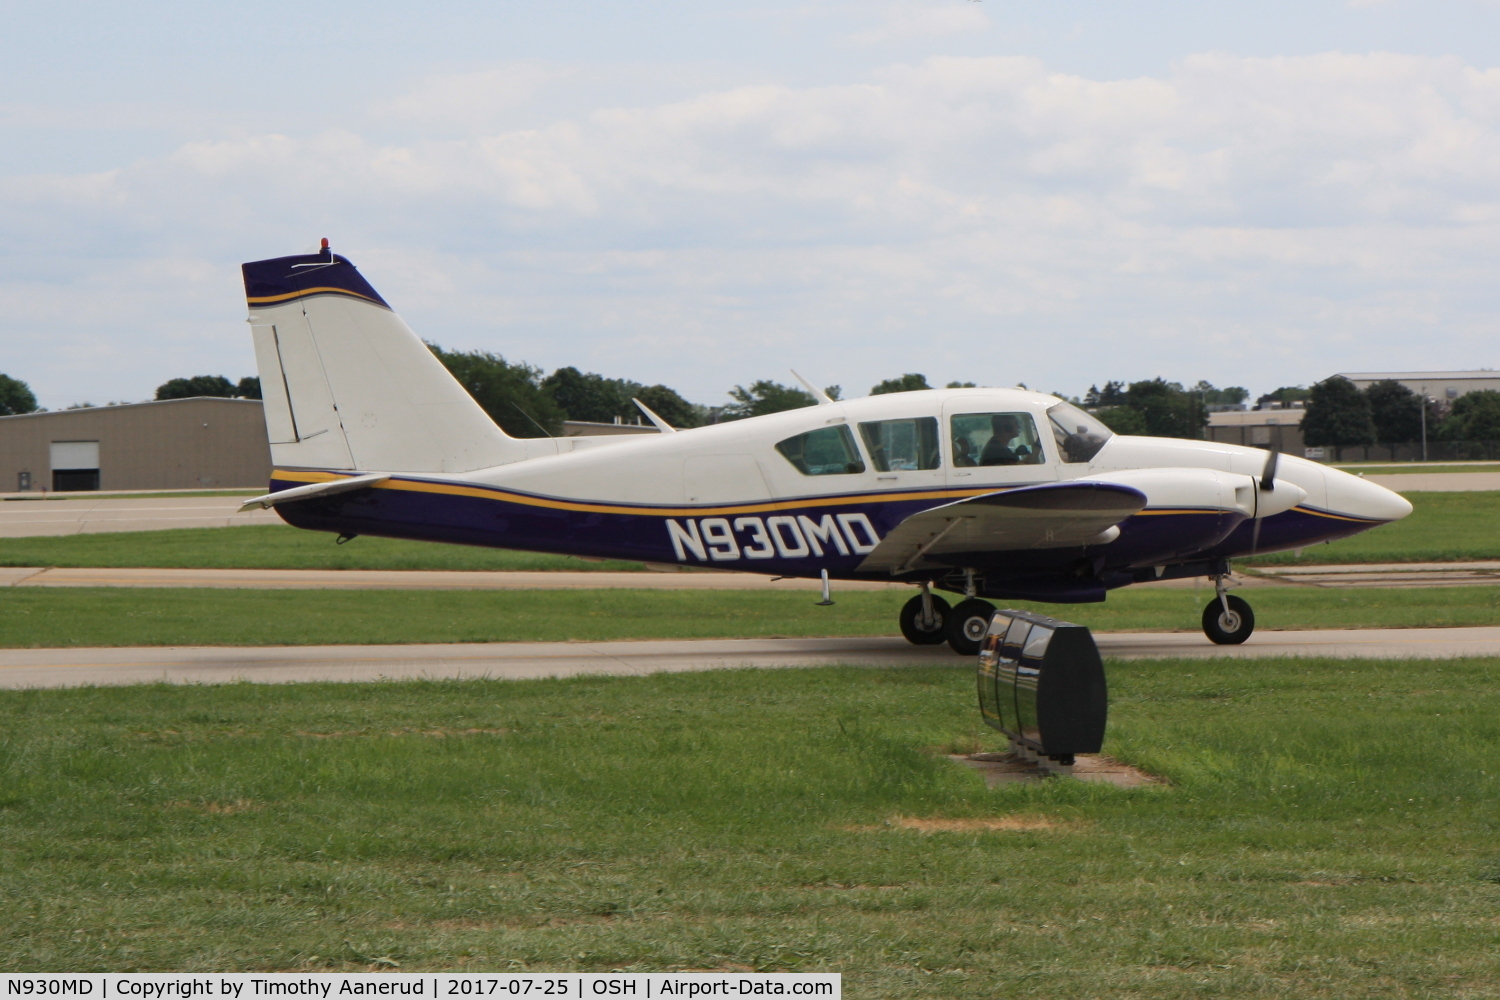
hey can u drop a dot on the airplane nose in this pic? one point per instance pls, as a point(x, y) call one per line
point(1361, 498)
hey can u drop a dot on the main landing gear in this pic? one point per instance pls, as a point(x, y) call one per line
point(928, 620)
point(1227, 620)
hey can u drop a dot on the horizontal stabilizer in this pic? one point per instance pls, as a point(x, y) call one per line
point(312, 490)
point(1051, 516)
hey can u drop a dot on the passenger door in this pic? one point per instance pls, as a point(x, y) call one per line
point(995, 443)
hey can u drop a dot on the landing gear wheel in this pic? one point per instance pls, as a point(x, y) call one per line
point(925, 633)
point(1231, 627)
point(967, 625)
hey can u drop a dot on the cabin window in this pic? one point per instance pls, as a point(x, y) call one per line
point(995, 439)
point(1079, 434)
point(902, 445)
point(827, 451)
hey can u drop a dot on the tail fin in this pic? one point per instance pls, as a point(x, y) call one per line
point(346, 383)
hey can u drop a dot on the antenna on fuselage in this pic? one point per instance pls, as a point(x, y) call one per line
point(661, 424)
point(822, 397)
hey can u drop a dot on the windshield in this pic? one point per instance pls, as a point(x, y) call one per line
point(1079, 435)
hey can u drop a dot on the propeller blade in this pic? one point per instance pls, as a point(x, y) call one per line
point(1268, 474)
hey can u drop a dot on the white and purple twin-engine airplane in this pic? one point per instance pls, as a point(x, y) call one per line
point(984, 493)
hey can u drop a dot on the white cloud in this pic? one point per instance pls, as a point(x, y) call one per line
point(905, 22)
point(1244, 220)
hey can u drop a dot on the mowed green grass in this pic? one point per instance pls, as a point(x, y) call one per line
point(1328, 830)
point(105, 616)
point(270, 546)
point(1442, 527)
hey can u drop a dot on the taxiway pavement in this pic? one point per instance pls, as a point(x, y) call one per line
point(1360, 575)
point(52, 668)
point(31, 516)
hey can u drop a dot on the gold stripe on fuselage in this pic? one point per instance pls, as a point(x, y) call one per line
point(500, 493)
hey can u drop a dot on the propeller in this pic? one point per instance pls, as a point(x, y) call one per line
point(1268, 474)
point(1267, 485)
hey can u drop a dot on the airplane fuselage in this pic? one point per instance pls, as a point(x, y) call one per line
point(817, 489)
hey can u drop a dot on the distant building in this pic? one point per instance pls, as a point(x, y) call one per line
point(1279, 429)
point(197, 443)
point(1442, 386)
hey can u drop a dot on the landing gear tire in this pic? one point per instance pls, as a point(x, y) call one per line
point(1226, 628)
point(967, 625)
point(925, 633)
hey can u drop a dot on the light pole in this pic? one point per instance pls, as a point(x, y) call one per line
point(1423, 403)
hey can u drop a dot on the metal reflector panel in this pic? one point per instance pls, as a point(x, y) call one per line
point(1041, 682)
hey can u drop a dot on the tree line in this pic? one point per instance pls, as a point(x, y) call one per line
point(1157, 407)
point(1387, 413)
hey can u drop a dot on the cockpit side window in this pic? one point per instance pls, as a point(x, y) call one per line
point(902, 445)
point(827, 451)
point(995, 439)
point(1079, 434)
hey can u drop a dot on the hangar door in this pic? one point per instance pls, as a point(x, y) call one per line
point(75, 466)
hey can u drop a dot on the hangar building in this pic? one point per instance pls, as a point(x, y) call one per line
point(176, 444)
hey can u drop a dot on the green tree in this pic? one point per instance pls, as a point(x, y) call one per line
point(1338, 414)
point(1475, 416)
point(1113, 394)
point(1229, 396)
point(249, 387)
point(765, 397)
point(960, 385)
point(909, 382)
point(1122, 419)
point(15, 397)
point(671, 407)
point(1395, 411)
point(1169, 410)
point(198, 385)
point(511, 394)
point(589, 396)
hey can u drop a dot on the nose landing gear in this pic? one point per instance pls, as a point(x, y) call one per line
point(1227, 620)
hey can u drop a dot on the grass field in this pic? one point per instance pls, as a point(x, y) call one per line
point(1444, 527)
point(39, 616)
point(271, 546)
point(1304, 847)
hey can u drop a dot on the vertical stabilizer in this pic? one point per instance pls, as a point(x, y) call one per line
point(348, 386)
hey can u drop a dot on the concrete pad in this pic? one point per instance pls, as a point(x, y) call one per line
point(26, 668)
point(1438, 482)
point(36, 517)
point(358, 579)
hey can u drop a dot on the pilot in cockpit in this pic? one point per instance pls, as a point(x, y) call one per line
point(1001, 448)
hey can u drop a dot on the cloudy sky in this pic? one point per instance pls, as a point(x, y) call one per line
point(703, 194)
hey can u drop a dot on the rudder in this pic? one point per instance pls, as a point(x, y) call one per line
point(347, 385)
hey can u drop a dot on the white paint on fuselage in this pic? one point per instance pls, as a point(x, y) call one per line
point(748, 468)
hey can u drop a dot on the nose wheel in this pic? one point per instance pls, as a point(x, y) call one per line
point(1227, 621)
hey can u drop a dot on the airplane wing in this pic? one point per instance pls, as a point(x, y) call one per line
point(1051, 516)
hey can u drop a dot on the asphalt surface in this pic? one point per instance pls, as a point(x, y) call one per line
point(51, 668)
